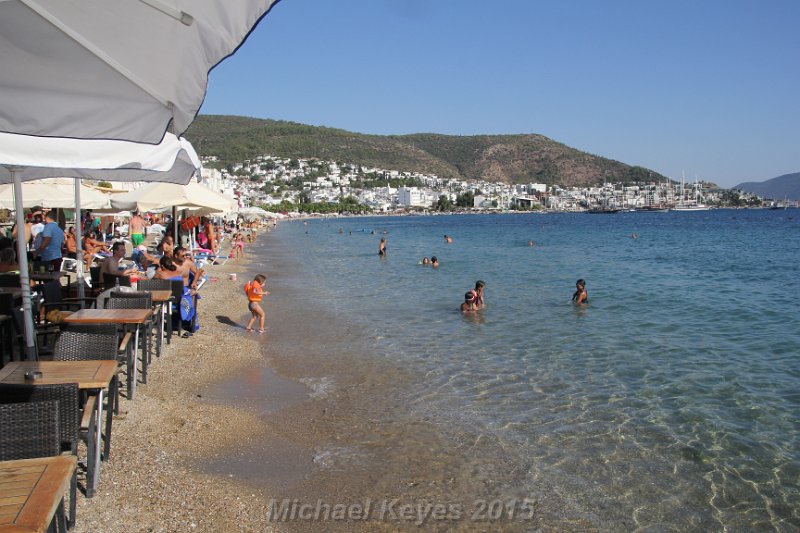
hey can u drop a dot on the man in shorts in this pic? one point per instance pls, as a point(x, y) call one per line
point(136, 229)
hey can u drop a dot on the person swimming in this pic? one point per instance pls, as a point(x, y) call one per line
point(469, 302)
point(448, 239)
point(434, 262)
point(425, 261)
point(580, 296)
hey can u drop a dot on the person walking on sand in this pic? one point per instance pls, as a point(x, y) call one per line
point(580, 296)
point(382, 247)
point(255, 293)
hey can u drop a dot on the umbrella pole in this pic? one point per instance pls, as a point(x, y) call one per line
point(22, 259)
point(175, 224)
point(79, 240)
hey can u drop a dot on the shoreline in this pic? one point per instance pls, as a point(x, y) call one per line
point(153, 480)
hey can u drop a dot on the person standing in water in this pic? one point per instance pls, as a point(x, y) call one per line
point(255, 293)
point(478, 291)
point(469, 303)
point(580, 296)
point(382, 247)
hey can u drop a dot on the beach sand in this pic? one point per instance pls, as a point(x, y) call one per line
point(153, 480)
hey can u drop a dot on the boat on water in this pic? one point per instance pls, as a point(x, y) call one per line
point(691, 207)
point(652, 209)
point(603, 211)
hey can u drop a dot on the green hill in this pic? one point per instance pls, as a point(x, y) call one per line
point(498, 158)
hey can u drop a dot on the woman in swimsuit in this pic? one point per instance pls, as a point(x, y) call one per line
point(580, 296)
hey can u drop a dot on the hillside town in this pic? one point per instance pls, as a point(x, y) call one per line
point(276, 184)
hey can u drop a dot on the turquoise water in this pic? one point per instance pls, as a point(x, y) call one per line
point(670, 401)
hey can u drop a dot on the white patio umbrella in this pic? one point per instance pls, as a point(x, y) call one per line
point(23, 157)
point(154, 196)
point(96, 69)
point(53, 193)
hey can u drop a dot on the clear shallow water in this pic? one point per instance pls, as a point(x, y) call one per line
point(670, 401)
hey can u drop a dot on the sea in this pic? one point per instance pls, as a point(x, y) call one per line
point(669, 403)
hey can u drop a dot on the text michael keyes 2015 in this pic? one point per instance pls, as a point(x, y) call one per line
point(523, 509)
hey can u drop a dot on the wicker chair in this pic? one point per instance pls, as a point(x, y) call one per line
point(69, 417)
point(95, 342)
point(135, 300)
point(110, 281)
point(159, 285)
point(31, 430)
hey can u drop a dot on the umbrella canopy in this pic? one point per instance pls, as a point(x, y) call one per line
point(155, 196)
point(53, 193)
point(126, 69)
point(172, 160)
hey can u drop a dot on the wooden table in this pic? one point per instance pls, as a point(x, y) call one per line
point(31, 491)
point(48, 276)
point(123, 317)
point(89, 375)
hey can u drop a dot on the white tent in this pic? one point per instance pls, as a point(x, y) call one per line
point(96, 69)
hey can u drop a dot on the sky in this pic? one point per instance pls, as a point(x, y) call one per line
point(705, 88)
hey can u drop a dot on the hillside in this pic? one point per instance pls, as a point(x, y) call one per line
point(500, 158)
point(786, 186)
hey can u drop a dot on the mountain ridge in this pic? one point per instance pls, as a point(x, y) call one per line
point(510, 158)
point(786, 186)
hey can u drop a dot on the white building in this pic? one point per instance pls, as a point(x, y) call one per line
point(411, 197)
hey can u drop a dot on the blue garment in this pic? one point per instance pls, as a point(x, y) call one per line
point(53, 248)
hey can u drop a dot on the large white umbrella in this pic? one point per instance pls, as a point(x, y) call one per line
point(100, 69)
point(53, 193)
point(154, 196)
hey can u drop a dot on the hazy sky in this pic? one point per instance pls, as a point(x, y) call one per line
point(706, 87)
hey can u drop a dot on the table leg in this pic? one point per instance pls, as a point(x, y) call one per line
point(132, 391)
point(112, 395)
point(92, 460)
point(98, 439)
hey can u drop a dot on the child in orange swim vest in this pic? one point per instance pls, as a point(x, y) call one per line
point(255, 293)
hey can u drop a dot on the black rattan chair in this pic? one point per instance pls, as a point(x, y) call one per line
point(135, 300)
point(95, 342)
point(110, 281)
point(159, 285)
point(28, 431)
point(68, 419)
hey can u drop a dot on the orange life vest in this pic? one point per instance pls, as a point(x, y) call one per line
point(253, 291)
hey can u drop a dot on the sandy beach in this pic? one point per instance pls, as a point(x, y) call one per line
point(153, 480)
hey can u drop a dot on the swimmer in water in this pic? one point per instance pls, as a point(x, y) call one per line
point(382, 247)
point(580, 296)
point(469, 303)
point(434, 262)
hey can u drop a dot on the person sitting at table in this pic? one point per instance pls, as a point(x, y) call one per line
point(8, 261)
point(92, 246)
point(111, 264)
point(167, 269)
point(166, 246)
point(187, 267)
point(70, 243)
